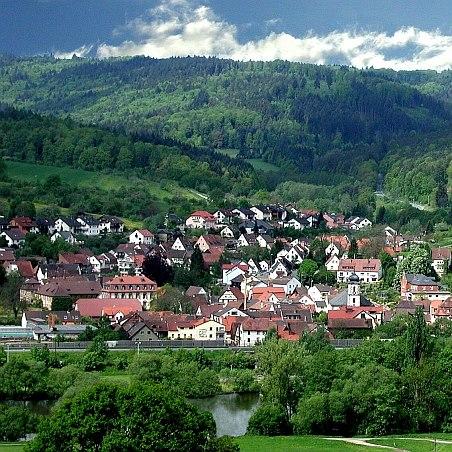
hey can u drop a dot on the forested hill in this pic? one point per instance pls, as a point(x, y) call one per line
point(25, 136)
point(301, 117)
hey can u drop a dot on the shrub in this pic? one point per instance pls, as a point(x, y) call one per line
point(268, 420)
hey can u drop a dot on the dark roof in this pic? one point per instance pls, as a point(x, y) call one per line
point(421, 280)
point(349, 323)
point(15, 234)
point(68, 287)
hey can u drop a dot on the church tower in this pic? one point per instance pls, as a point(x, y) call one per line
point(353, 291)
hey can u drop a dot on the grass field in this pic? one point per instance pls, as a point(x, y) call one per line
point(229, 152)
point(33, 172)
point(296, 443)
point(317, 444)
point(260, 165)
point(12, 447)
point(413, 444)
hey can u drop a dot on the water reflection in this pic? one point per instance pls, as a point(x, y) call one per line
point(230, 411)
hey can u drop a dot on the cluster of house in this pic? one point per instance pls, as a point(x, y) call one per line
point(65, 228)
point(264, 218)
point(256, 295)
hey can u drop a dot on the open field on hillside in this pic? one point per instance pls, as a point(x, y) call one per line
point(33, 172)
point(260, 165)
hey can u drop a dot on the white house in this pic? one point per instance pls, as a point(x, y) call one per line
point(320, 292)
point(67, 236)
point(198, 330)
point(231, 271)
point(368, 270)
point(288, 284)
point(332, 264)
point(279, 269)
point(67, 224)
point(332, 249)
point(357, 223)
point(441, 260)
point(295, 254)
point(294, 223)
point(14, 237)
point(200, 219)
point(88, 225)
point(141, 236)
point(228, 232)
point(109, 224)
point(261, 213)
point(244, 213)
point(231, 294)
point(252, 331)
point(247, 240)
point(265, 241)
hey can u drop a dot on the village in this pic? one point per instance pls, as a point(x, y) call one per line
point(267, 274)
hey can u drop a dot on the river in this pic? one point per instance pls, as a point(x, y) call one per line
point(231, 412)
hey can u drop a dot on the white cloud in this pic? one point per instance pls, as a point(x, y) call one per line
point(81, 52)
point(178, 28)
point(272, 22)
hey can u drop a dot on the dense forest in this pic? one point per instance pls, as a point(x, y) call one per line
point(25, 136)
point(321, 125)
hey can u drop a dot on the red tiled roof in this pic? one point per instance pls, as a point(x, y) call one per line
point(212, 255)
point(261, 324)
point(349, 323)
point(203, 214)
point(347, 312)
point(441, 254)
point(268, 290)
point(97, 307)
point(236, 292)
point(6, 255)
point(360, 265)
point(26, 269)
point(145, 233)
point(243, 267)
point(128, 279)
point(73, 258)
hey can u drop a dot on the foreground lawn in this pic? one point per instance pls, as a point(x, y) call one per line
point(12, 447)
point(413, 444)
point(292, 443)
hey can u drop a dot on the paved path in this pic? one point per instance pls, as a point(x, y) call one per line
point(432, 440)
point(364, 442)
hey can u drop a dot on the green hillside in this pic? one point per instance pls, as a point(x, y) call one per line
point(298, 122)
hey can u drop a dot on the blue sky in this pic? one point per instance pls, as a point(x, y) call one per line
point(380, 33)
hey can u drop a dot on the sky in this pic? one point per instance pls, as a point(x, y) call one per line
point(414, 34)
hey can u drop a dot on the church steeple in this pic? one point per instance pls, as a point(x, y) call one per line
point(353, 291)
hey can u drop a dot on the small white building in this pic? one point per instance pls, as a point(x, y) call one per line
point(197, 330)
point(141, 236)
point(332, 264)
point(67, 236)
point(14, 237)
point(201, 219)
